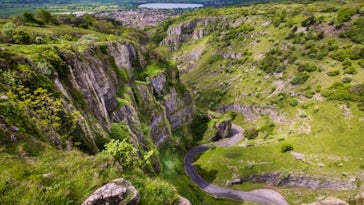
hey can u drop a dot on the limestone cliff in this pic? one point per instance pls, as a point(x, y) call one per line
point(100, 82)
point(195, 28)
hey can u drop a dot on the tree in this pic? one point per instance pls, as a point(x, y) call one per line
point(126, 154)
point(44, 16)
point(8, 29)
point(29, 18)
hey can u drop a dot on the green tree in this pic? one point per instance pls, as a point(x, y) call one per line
point(38, 105)
point(29, 18)
point(8, 29)
point(44, 16)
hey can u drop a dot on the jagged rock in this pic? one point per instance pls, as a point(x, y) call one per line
point(14, 128)
point(183, 201)
point(276, 179)
point(223, 129)
point(94, 75)
point(177, 34)
point(179, 108)
point(114, 193)
point(253, 112)
point(329, 201)
point(158, 82)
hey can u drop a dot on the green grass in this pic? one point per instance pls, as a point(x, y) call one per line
point(173, 172)
point(153, 70)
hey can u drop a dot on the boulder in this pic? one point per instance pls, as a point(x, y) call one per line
point(223, 129)
point(183, 201)
point(114, 193)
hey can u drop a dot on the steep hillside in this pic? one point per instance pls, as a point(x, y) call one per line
point(64, 90)
point(292, 76)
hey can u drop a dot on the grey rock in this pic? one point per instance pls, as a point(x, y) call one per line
point(4, 97)
point(158, 82)
point(114, 193)
point(275, 179)
point(183, 201)
point(298, 156)
point(223, 129)
point(14, 128)
point(179, 33)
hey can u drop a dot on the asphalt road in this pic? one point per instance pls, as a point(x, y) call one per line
point(260, 196)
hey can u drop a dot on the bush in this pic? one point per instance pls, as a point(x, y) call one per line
point(293, 102)
point(300, 78)
point(361, 63)
point(309, 21)
point(355, 33)
point(333, 73)
point(349, 70)
point(251, 133)
point(344, 14)
point(306, 67)
point(286, 147)
point(21, 37)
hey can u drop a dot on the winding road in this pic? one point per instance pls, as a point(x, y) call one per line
point(260, 196)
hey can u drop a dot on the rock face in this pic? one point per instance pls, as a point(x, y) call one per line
point(329, 201)
point(100, 82)
point(196, 28)
point(119, 191)
point(223, 129)
point(275, 179)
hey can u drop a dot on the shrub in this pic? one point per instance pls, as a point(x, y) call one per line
point(300, 78)
point(355, 33)
point(306, 67)
point(286, 147)
point(293, 102)
point(21, 37)
point(251, 133)
point(347, 62)
point(333, 73)
point(309, 21)
point(344, 14)
point(361, 63)
point(8, 29)
point(349, 70)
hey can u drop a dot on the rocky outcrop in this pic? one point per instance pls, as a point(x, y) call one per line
point(178, 108)
point(276, 179)
point(154, 113)
point(92, 80)
point(119, 191)
point(183, 201)
point(223, 129)
point(329, 201)
point(253, 112)
point(196, 28)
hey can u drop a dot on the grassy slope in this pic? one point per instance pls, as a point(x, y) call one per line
point(326, 135)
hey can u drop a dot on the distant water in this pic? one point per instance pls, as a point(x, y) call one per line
point(169, 6)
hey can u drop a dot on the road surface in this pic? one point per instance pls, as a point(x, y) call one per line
point(260, 196)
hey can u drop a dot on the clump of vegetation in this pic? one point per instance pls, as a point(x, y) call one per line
point(286, 147)
point(300, 78)
point(251, 133)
